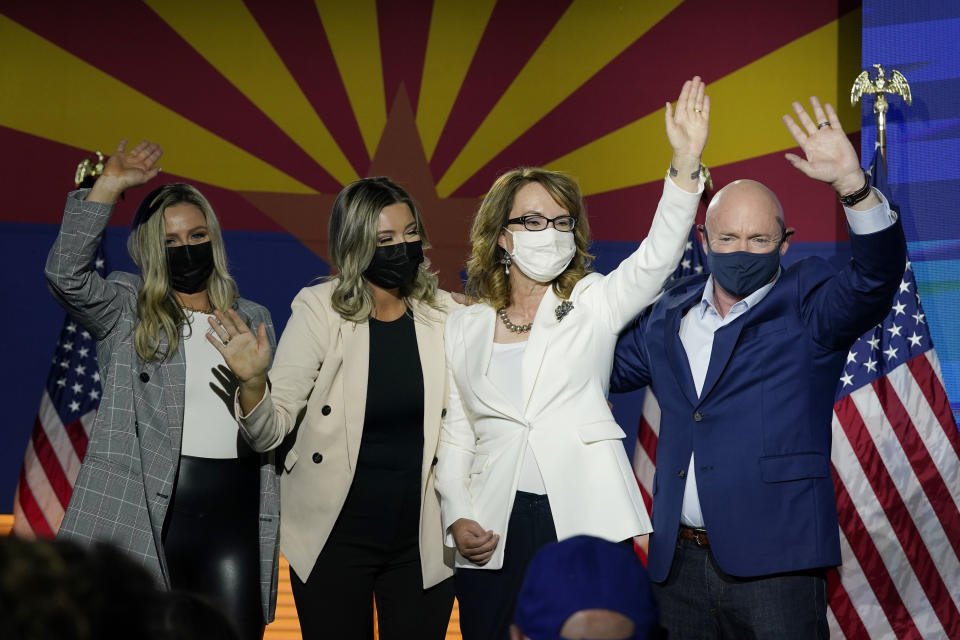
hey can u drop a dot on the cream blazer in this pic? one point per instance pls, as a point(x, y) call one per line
point(313, 413)
point(565, 418)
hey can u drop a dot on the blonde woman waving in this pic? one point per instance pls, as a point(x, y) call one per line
point(354, 402)
point(165, 476)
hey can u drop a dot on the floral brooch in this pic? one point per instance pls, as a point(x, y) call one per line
point(563, 309)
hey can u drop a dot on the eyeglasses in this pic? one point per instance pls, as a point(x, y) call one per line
point(537, 222)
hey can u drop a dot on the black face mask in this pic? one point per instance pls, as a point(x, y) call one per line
point(740, 273)
point(190, 266)
point(395, 265)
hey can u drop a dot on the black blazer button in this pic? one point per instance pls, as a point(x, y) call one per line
point(144, 377)
point(317, 458)
point(325, 410)
point(434, 463)
point(443, 414)
point(697, 416)
point(682, 473)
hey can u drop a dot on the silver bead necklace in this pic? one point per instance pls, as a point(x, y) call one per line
point(516, 328)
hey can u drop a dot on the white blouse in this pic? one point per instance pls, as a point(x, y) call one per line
point(209, 430)
point(504, 373)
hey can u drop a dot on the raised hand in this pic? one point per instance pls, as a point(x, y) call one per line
point(688, 128)
point(830, 157)
point(247, 354)
point(125, 169)
point(473, 542)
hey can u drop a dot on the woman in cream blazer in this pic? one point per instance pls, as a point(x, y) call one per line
point(529, 450)
point(354, 403)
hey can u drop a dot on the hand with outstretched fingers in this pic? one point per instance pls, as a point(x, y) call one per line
point(125, 169)
point(829, 155)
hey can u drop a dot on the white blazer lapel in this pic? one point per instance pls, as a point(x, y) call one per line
point(478, 334)
point(540, 336)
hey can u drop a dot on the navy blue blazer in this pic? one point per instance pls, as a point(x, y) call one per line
point(761, 428)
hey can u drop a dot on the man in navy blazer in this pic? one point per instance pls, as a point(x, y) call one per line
point(745, 364)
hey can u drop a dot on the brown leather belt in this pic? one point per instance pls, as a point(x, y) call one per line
point(697, 535)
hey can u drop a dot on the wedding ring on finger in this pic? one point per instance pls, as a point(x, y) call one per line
point(821, 125)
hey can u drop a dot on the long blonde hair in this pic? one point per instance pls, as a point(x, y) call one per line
point(486, 280)
point(353, 240)
point(159, 315)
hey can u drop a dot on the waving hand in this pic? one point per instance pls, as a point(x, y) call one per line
point(125, 169)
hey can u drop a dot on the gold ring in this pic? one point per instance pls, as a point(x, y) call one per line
point(698, 110)
point(821, 125)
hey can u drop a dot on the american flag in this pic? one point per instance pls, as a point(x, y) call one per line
point(896, 471)
point(68, 406)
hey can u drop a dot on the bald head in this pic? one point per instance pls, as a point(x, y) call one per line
point(742, 210)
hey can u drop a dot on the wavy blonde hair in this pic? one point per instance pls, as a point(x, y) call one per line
point(353, 240)
point(159, 315)
point(486, 280)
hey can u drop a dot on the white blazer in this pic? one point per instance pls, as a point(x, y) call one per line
point(565, 417)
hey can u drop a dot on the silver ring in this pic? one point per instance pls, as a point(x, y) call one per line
point(821, 125)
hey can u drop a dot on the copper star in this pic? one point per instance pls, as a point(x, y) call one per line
point(400, 156)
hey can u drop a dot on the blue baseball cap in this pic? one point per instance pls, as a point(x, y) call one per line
point(581, 573)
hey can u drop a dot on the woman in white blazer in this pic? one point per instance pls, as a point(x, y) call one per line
point(354, 403)
point(529, 450)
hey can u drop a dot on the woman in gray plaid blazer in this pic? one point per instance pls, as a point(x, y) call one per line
point(166, 476)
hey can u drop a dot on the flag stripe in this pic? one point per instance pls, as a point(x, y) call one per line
point(63, 439)
point(647, 439)
point(897, 513)
point(50, 464)
point(33, 512)
point(929, 429)
point(843, 609)
point(924, 469)
point(871, 562)
point(932, 388)
point(862, 596)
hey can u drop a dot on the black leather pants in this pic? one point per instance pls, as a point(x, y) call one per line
point(211, 537)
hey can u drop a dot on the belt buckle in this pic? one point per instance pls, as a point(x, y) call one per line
point(696, 537)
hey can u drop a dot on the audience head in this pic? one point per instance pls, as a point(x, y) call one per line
point(585, 587)
point(58, 590)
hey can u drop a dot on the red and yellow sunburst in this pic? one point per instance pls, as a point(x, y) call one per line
point(273, 106)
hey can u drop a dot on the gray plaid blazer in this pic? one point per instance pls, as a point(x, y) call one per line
point(126, 481)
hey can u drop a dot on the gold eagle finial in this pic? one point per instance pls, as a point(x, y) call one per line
point(896, 84)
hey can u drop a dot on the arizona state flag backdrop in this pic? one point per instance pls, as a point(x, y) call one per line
point(271, 107)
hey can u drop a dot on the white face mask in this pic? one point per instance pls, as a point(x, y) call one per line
point(542, 255)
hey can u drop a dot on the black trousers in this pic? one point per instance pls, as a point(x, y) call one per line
point(373, 552)
point(487, 597)
point(212, 538)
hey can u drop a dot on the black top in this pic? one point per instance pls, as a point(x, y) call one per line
point(384, 499)
point(393, 420)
